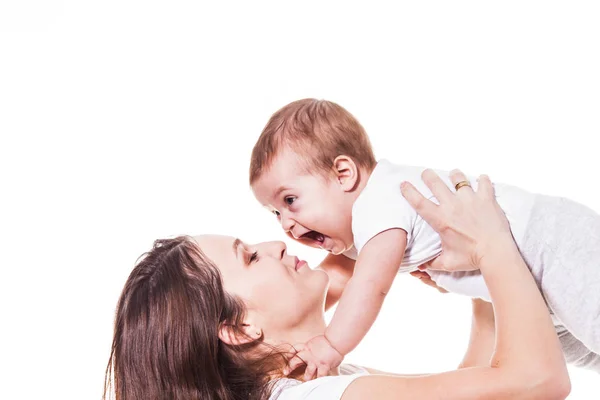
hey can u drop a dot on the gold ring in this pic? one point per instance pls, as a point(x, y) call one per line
point(461, 184)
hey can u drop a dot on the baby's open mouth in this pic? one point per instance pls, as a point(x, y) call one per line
point(315, 236)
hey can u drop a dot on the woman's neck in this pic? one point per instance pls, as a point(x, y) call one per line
point(309, 328)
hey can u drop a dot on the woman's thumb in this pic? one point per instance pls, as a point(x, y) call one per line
point(437, 264)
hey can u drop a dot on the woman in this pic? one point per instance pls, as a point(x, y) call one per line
point(213, 318)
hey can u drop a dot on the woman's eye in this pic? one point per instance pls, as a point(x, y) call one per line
point(254, 256)
point(289, 200)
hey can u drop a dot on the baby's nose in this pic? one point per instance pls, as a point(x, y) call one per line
point(287, 224)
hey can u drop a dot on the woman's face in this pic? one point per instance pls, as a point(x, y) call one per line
point(280, 291)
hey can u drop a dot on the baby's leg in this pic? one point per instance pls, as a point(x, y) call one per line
point(570, 276)
point(576, 353)
point(576, 303)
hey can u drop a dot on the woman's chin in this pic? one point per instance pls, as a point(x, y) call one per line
point(314, 288)
point(321, 281)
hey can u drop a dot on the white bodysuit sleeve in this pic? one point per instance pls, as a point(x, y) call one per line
point(378, 209)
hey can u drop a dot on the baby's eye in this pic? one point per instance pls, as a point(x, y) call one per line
point(289, 200)
point(254, 256)
point(276, 213)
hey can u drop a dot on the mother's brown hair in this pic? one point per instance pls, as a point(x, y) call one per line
point(166, 344)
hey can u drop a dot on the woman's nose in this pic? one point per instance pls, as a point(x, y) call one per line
point(277, 249)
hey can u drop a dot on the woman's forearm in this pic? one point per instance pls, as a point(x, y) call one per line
point(527, 363)
point(525, 338)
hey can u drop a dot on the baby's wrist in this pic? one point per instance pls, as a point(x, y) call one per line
point(333, 346)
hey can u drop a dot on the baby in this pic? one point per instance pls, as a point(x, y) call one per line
point(314, 168)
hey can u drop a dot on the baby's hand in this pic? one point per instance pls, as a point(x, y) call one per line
point(318, 355)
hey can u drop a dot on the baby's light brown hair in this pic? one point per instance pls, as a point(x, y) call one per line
point(318, 131)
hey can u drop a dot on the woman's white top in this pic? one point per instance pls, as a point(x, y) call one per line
point(328, 387)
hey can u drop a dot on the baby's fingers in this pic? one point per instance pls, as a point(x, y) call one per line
point(294, 363)
point(296, 359)
point(322, 371)
point(310, 371)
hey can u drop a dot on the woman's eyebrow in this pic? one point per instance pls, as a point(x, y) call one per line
point(236, 244)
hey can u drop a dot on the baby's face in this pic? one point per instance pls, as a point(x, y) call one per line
point(313, 209)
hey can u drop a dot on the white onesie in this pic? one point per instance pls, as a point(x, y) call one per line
point(558, 238)
point(381, 206)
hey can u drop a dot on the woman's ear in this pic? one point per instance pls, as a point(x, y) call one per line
point(228, 334)
point(346, 172)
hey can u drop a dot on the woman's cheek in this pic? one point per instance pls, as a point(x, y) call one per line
point(266, 292)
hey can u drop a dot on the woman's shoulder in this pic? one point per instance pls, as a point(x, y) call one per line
point(351, 369)
point(329, 387)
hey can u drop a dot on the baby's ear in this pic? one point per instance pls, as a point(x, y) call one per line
point(237, 336)
point(346, 172)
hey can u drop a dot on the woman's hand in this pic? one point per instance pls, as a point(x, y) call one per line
point(426, 279)
point(468, 222)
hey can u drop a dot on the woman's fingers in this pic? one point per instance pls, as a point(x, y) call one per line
point(438, 264)
point(418, 274)
point(426, 279)
point(436, 185)
point(464, 220)
point(459, 179)
point(425, 208)
point(485, 188)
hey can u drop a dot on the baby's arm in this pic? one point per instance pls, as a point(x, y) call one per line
point(359, 305)
point(363, 296)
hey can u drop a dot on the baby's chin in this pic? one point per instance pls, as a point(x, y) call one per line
point(339, 249)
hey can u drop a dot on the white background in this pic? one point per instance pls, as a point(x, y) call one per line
point(126, 121)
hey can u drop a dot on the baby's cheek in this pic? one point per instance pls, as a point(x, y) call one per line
point(339, 222)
